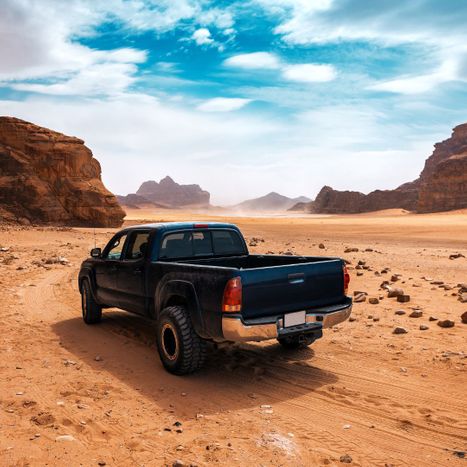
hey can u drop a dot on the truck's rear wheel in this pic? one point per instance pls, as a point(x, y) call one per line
point(181, 350)
point(296, 342)
point(92, 311)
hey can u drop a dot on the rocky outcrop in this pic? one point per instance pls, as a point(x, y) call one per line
point(171, 194)
point(442, 185)
point(334, 202)
point(50, 178)
point(271, 202)
point(446, 188)
point(135, 201)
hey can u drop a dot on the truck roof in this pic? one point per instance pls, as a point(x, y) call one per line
point(166, 226)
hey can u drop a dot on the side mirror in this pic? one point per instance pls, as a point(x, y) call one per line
point(96, 252)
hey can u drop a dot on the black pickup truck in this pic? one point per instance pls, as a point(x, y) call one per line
point(198, 281)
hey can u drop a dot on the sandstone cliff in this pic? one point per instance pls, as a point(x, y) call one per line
point(50, 178)
point(442, 185)
point(171, 194)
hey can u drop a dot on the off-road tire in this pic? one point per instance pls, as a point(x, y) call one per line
point(181, 350)
point(294, 342)
point(92, 311)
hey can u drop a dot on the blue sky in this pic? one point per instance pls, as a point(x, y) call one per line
point(242, 97)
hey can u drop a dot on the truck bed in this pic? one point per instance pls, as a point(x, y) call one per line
point(274, 285)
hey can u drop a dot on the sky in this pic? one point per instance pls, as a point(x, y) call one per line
point(242, 97)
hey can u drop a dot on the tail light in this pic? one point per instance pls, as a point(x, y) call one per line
point(232, 300)
point(346, 279)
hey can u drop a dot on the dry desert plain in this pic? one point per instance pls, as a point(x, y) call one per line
point(72, 394)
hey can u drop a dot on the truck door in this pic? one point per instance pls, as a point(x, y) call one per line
point(106, 270)
point(131, 273)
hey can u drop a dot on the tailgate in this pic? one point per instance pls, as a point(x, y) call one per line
point(281, 289)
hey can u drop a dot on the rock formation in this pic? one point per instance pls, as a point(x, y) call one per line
point(50, 178)
point(271, 202)
point(171, 194)
point(442, 185)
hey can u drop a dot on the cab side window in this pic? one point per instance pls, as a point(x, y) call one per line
point(114, 251)
point(137, 246)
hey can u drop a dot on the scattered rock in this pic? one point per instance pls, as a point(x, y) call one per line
point(446, 323)
point(416, 314)
point(424, 327)
point(464, 317)
point(65, 438)
point(403, 298)
point(98, 358)
point(394, 292)
point(399, 330)
point(346, 459)
point(351, 250)
point(463, 297)
point(360, 298)
point(394, 277)
point(399, 312)
point(432, 318)
point(321, 246)
point(456, 255)
point(373, 300)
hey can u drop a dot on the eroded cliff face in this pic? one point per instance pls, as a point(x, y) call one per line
point(442, 185)
point(446, 188)
point(50, 178)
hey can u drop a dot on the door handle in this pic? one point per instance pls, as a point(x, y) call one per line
point(297, 278)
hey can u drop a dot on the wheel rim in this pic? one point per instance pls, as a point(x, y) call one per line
point(169, 342)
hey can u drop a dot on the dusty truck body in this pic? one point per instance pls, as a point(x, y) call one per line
point(199, 282)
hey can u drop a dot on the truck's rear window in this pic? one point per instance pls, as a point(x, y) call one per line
point(201, 243)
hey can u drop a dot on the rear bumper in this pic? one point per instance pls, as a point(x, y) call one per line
point(236, 330)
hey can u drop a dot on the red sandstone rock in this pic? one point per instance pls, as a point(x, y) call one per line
point(50, 178)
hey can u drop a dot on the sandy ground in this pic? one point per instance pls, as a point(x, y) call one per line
point(72, 394)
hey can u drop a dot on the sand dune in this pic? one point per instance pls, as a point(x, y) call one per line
point(73, 394)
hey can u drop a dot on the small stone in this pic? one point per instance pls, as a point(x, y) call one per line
point(178, 424)
point(376, 319)
point(416, 314)
point(464, 317)
point(394, 278)
point(456, 255)
point(399, 312)
point(178, 462)
point(359, 273)
point(399, 330)
point(394, 292)
point(351, 250)
point(321, 246)
point(65, 438)
point(360, 298)
point(346, 459)
point(432, 318)
point(352, 319)
point(347, 427)
point(447, 323)
point(403, 298)
point(403, 369)
point(424, 327)
point(373, 301)
point(98, 358)
point(183, 394)
point(463, 297)
point(101, 463)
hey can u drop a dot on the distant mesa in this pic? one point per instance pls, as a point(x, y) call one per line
point(442, 185)
point(271, 202)
point(167, 194)
point(50, 178)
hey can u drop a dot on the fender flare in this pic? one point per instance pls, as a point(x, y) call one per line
point(183, 291)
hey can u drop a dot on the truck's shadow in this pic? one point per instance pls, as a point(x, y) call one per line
point(237, 376)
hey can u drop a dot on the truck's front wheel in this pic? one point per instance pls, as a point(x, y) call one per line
point(92, 311)
point(181, 350)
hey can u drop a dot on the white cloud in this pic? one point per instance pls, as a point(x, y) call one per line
point(202, 36)
point(255, 60)
point(223, 104)
point(309, 73)
point(432, 25)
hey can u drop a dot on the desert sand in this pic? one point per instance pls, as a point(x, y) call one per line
point(72, 394)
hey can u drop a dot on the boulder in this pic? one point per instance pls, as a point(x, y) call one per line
point(50, 178)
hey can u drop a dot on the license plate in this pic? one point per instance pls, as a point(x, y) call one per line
point(294, 319)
